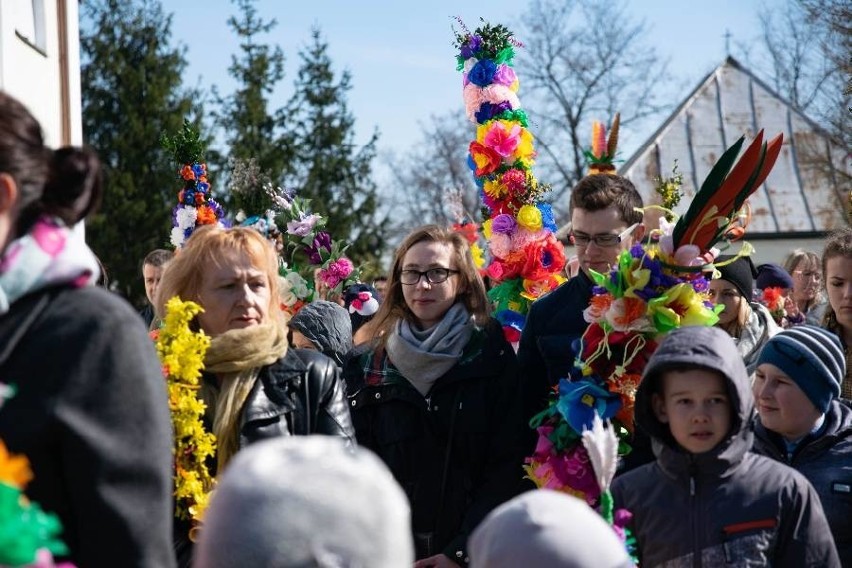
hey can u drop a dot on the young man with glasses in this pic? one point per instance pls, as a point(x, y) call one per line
point(605, 220)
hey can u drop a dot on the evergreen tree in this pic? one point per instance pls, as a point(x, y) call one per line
point(326, 165)
point(250, 129)
point(132, 94)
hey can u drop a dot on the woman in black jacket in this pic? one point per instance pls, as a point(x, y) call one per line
point(254, 386)
point(436, 394)
point(89, 411)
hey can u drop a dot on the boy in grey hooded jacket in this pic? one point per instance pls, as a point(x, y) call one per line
point(707, 500)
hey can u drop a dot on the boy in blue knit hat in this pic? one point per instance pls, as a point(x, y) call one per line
point(801, 423)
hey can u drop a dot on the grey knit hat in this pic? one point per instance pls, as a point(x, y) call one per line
point(302, 501)
point(812, 357)
point(327, 326)
point(546, 528)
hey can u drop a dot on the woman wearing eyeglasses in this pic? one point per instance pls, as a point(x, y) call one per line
point(837, 267)
point(436, 394)
point(808, 305)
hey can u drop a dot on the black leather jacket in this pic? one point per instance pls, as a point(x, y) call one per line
point(299, 394)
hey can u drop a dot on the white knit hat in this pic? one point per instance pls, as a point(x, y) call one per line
point(306, 501)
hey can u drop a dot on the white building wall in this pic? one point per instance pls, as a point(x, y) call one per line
point(30, 63)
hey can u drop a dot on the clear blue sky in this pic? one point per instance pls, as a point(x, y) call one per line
point(401, 57)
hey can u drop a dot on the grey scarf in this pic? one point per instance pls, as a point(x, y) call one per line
point(424, 356)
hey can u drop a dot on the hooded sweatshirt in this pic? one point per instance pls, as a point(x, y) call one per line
point(726, 506)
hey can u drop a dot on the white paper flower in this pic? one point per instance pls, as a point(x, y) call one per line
point(186, 217)
point(177, 237)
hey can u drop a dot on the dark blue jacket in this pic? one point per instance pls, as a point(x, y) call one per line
point(826, 460)
point(545, 354)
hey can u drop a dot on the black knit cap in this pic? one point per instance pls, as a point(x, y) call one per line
point(740, 273)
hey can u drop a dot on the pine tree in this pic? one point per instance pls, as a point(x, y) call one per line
point(250, 129)
point(132, 94)
point(327, 167)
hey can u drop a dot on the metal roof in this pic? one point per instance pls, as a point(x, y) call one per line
point(807, 191)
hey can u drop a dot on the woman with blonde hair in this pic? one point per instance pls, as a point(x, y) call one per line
point(253, 385)
point(837, 268)
point(749, 323)
point(808, 305)
point(436, 394)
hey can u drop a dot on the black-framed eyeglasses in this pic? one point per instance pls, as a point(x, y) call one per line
point(433, 275)
point(604, 240)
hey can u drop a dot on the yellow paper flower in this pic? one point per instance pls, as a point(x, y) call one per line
point(477, 254)
point(529, 217)
point(486, 228)
point(680, 306)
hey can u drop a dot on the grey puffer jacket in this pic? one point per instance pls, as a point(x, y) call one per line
point(826, 460)
point(727, 506)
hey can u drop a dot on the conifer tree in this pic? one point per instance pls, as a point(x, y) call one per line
point(132, 94)
point(327, 167)
point(250, 129)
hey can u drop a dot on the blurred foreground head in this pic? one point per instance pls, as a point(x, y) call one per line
point(306, 501)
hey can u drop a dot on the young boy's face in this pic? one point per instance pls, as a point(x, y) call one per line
point(695, 405)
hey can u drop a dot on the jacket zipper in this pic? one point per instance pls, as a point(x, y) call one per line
point(696, 549)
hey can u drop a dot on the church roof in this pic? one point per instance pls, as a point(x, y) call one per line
point(807, 192)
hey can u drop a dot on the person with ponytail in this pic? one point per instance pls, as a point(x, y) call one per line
point(85, 401)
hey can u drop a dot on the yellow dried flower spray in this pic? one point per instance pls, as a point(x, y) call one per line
point(181, 352)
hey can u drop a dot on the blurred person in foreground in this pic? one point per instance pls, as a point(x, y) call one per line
point(89, 408)
point(306, 501)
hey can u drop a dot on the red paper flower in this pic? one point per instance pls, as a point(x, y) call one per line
point(486, 159)
point(543, 258)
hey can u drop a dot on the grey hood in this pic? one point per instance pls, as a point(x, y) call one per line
point(328, 327)
point(711, 348)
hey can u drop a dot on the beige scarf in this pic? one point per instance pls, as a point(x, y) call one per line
point(236, 358)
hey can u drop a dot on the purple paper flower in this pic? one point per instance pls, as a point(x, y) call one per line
point(487, 111)
point(504, 223)
point(303, 226)
point(322, 241)
point(313, 255)
point(504, 75)
point(470, 46)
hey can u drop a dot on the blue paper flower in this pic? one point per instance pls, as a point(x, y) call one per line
point(547, 219)
point(580, 401)
point(482, 73)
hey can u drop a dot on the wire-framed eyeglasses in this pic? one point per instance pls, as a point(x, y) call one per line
point(605, 240)
point(433, 275)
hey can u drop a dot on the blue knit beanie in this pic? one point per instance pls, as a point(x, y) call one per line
point(812, 357)
point(771, 275)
